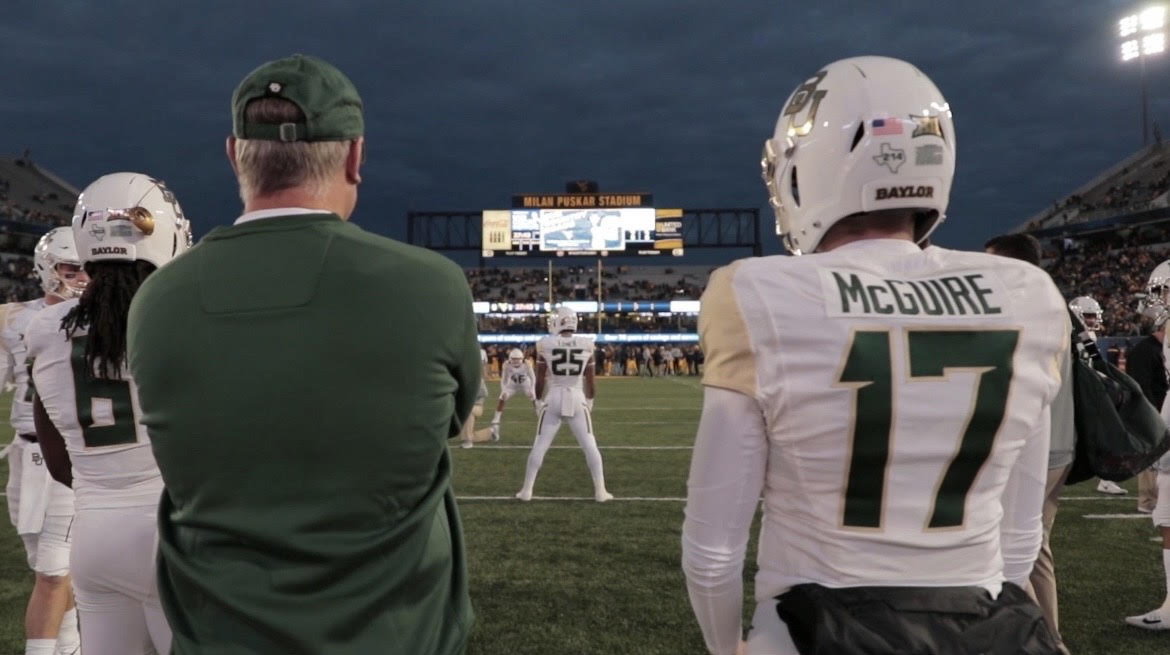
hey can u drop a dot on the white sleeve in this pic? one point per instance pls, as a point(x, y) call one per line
point(7, 359)
point(1022, 527)
point(723, 491)
point(7, 367)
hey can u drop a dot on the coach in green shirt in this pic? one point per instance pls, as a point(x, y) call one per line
point(299, 378)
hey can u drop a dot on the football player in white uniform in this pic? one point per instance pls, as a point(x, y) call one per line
point(1156, 306)
point(41, 509)
point(889, 403)
point(515, 377)
point(565, 387)
point(469, 436)
point(1089, 311)
point(126, 225)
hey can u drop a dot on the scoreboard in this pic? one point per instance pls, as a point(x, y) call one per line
point(582, 224)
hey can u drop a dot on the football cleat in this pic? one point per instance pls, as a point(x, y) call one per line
point(603, 496)
point(524, 494)
point(466, 444)
point(1158, 619)
point(1107, 487)
point(495, 431)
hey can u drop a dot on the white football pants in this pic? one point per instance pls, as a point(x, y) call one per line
point(768, 634)
point(547, 425)
point(114, 583)
point(40, 508)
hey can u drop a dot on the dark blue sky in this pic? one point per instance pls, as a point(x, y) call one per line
point(468, 101)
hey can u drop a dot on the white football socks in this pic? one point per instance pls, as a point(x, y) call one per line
point(40, 647)
point(588, 444)
point(68, 638)
point(1166, 568)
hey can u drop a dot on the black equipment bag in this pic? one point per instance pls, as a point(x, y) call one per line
point(1119, 433)
point(914, 621)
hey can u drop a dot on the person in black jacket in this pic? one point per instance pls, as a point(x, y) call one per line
point(1145, 363)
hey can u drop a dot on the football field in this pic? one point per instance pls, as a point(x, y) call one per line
point(563, 574)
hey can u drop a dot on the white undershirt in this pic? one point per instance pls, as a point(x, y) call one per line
point(277, 211)
point(723, 491)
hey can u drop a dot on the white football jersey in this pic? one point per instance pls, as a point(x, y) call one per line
point(898, 386)
point(14, 320)
point(519, 376)
point(113, 465)
point(567, 359)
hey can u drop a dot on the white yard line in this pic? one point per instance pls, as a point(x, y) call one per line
point(529, 447)
point(646, 409)
point(1117, 516)
point(574, 498)
point(1131, 499)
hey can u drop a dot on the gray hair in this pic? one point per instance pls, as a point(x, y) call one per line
point(265, 167)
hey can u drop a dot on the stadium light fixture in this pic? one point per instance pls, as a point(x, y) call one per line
point(1153, 44)
point(1153, 18)
point(1143, 34)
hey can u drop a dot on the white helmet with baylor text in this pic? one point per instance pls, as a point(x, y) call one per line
point(562, 319)
point(55, 248)
point(515, 356)
point(861, 135)
point(127, 217)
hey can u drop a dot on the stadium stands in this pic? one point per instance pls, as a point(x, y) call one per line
point(1137, 183)
point(32, 200)
point(620, 283)
point(580, 283)
point(1105, 237)
point(33, 196)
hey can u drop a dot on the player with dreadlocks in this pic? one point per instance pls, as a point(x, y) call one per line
point(126, 225)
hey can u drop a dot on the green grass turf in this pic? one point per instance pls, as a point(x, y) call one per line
point(577, 577)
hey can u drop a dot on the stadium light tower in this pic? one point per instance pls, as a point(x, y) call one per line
point(1143, 35)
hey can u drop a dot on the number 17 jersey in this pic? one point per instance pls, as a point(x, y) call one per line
point(113, 465)
point(898, 387)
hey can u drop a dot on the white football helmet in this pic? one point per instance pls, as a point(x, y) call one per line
point(515, 356)
point(1088, 310)
point(1155, 302)
point(129, 216)
point(861, 135)
point(53, 249)
point(562, 319)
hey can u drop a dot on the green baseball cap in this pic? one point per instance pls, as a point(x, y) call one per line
point(330, 102)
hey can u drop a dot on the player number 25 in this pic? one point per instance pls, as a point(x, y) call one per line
point(569, 361)
point(867, 370)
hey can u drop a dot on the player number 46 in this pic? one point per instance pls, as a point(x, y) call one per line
point(867, 370)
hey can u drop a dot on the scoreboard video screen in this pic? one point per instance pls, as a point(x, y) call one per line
point(581, 225)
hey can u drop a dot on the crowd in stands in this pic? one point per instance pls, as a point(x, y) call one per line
point(18, 280)
point(523, 285)
point(632, 359)
point(1112, 270)
point(580, 283)
point(1134, 188)
point(591, 323)
point(44, 207)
